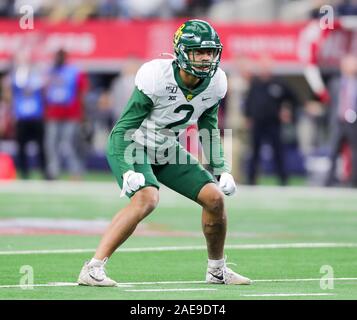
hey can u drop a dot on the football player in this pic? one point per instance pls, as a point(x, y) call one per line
point(171, 94)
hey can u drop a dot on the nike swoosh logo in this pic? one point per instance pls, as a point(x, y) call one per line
point(204, 99)
point(99, 280)
point(217, 277)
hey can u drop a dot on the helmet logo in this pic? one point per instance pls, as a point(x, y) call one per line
point(178, 34)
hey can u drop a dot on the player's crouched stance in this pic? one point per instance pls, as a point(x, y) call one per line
point(172, 94)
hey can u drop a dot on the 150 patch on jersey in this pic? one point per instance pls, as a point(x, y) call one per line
point(171, 88)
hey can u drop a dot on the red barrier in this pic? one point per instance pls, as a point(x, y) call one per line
point(94, 41)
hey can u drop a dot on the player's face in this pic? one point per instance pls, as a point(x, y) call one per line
point(201, 58)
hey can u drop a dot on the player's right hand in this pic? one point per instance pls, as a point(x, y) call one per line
point(227, 184)
point(132, 181)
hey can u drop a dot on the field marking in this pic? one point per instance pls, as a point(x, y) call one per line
point(28, 286)
point(52, 284)
point(20, 252)
point(170, 290)
point(286, 294)
point(257, 280)
point(74, 284)
point(191, 248)
point(164, 282)
point(130, 284)
point(301, 280)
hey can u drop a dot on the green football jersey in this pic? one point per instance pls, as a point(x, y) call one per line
point(174, 106)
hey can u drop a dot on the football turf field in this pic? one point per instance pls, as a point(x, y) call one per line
point(294, 242)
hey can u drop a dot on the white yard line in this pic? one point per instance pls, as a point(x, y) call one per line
point(171, 290)
point(27, 286)
point(164, 282)
point(189, 248)
point(286, 294)
point(307, 279)
point(51, 284)
point(150, 283)
point(258, 280)
point(19, 252)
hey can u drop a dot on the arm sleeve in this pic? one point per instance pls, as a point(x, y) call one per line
point(136, 110)
point(211, 142)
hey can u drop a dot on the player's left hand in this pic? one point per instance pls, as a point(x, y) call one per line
point(227, 184)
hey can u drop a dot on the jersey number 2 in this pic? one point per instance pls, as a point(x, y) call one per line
point(179, 109)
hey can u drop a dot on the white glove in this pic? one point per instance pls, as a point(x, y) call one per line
point(227, 184)
point(132, 181)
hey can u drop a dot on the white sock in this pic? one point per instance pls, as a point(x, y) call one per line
point(95, 261)
point(216, 263)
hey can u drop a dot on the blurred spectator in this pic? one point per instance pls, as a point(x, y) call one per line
point(24, 91)
point(315, 7)
point(104, 120)
point(265, 111)
point(7, 130)
point(123, 85)
point(343, 116)
point(198, 7)
point(77, 10)
point(6, 8)
point(347, 8)
point(80, 10)
point(108, 8)
point(239, 76)
point(311, 127)
point(135, 9)
point(36, 6)
point(65, 90)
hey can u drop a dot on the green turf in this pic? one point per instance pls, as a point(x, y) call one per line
point(186, 266)
point(263, 215)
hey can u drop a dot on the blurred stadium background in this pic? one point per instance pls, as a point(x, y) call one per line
point(108, 40)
